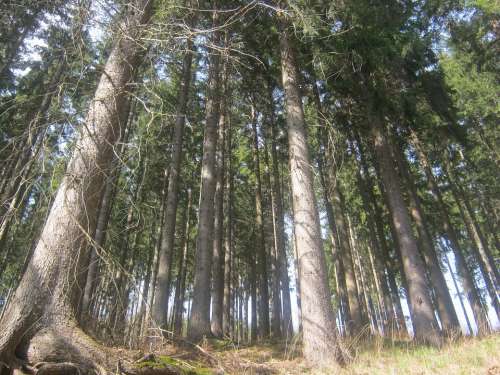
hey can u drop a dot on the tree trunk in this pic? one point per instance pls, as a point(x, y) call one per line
point(160, 306)
point(475, 235)
point(105, 208)
point(376, 255)
point(275, 273)
point(320, 344)
point(389, 263)
point(228, 241)
point(260, 244)
point(355, 324)
point(461, 300)
point(181, 278)
point(423, 319)
point(218, 255)
point(447, 313)
point(43, 307)
point(279, 228)
point(468, 284)
point(199, 323)
point(252, 283)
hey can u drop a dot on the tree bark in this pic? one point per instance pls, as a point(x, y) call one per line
point(218, 255)
point(279, 227)
point(160, 306)
point(275, 273)
point(475, 235)
point(447, 313)
point(45, 300)
point(180, 289)
point(320, 344)
point(228, 241)
point(389, 263)
point(423, 319)
point(468, 284)
point(199, 323)
point(260, 243)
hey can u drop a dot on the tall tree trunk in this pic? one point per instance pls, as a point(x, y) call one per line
point(320, 344)
point(355, 324)
point(447, 313)
point(423, 319)
point(275, 273)
point(199, 323)
point(279, 226)
point(475, 235)
point(218, 255)
point(162, 293)
point(389, 263)
point(228, 240)
point(376, 255)
point(180, 288)
point(459, 295)
point(260, 237)
point(48, 292)
point(252, 283)
point(105, 208)
point(463, 269)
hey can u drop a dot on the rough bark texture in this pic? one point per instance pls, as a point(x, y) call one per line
point(228, 242)
point(218, 257)
point(422, 312)
point(475, 235)
point(463, 269)
point(260, 243)
point(160, 306)
point(389, 263)
point(180, 289)
point(377, 257)
point(355, 324)
point(270, 232)
point(320, 344)
point(447, 314)
point(279, 229)
point(199, 323)
point(46, 298)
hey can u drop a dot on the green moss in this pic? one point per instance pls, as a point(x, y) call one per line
point(194, 368)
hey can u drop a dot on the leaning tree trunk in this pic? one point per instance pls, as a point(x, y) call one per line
point(43, 307)
point(389, 263)
point(379, 271)
point(355, 325)
point(320, 344)
point(477, 245)
point(199, 322)
point(444, 302)
point(162, 293)
point(463, 269)
point(422, 312)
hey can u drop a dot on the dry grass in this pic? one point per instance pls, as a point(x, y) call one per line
point(464, 356)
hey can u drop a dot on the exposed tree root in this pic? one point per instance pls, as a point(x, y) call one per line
point(66, 349)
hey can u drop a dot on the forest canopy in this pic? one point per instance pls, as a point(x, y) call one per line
point(315, 173)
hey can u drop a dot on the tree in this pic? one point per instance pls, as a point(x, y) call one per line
point(320, 344)
point(43, 307)
point(199, 323)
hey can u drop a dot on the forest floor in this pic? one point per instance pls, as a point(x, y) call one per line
point(467, 356)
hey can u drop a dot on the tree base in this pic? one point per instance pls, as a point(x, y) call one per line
point(66, 349)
